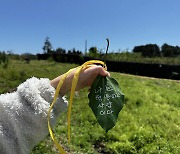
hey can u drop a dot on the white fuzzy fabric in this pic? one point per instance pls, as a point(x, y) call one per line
point(23, 115)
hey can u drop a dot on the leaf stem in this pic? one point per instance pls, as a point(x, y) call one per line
point(106, 51)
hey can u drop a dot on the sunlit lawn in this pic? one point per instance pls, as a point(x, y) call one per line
point(148, 123)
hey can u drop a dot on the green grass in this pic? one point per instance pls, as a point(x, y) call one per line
point(19, 71)
point(137, 57)
point(148, 123)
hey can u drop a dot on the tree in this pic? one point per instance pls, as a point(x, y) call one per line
point(170, 51)
point(151, 50)
point(93, 52)
point(47, 46)
point(60, 50)
point(148, 50)
point(138, 49)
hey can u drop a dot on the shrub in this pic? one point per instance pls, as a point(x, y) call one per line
point(4, 60)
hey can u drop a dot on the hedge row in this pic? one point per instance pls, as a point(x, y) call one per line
point(144, 69)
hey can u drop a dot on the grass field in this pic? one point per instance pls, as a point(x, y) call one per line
point(148, 123)
point(138, 58)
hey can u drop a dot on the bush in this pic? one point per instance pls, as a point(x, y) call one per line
point(149, 50)
point(4, 61)
point(170, 51)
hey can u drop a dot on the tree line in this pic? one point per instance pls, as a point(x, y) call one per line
point(48, 49)
point(148, 50)
point(153, 50)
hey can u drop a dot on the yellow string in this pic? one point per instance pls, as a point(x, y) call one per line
point(73, 88)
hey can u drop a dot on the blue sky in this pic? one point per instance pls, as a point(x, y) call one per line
point(24, 25)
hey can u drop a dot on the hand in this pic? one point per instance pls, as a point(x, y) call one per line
point(86, 78)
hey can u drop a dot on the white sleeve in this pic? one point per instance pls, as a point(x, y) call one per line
point(23, 115)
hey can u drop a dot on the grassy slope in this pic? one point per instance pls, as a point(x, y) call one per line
point(148, 123)
point(136, 57)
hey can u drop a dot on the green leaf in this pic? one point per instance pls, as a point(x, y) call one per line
point(106, 101)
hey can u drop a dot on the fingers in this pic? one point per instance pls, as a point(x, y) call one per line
point(96, 70)
point(103, 72)
point(92, 72)
point(99, 70)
